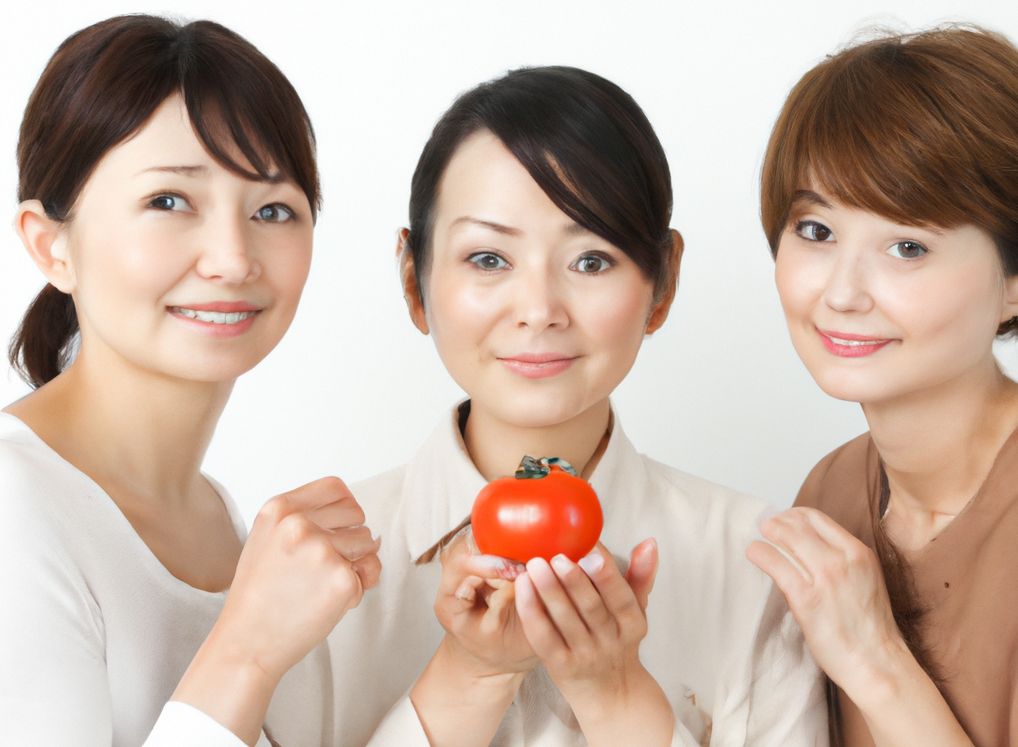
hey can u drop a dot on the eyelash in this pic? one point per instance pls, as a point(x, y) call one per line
point(475, 259)
point(803, 225)
point(608, 263)
point(291, 215)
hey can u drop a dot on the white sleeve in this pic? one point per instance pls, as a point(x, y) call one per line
point(400, 728)
point(53, 681)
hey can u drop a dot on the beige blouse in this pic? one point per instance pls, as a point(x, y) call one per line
point(729, 681)
point(964, 580)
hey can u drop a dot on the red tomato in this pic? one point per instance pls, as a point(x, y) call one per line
point(537, 517)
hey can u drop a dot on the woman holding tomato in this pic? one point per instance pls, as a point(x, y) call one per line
point(538, 263)
point(168, 192)
point(890, 201)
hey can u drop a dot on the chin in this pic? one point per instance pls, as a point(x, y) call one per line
point(538, 410)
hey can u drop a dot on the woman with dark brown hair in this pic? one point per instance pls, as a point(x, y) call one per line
point(168, 192)
point(890, 201)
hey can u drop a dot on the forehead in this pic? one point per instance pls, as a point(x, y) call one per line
point(167, 139)
point(484, 180)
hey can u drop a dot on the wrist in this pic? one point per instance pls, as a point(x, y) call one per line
point(884, 679)
point(611, 710)
point(225, 683)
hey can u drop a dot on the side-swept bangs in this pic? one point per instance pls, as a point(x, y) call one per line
point(105, 81)
point(921, 129)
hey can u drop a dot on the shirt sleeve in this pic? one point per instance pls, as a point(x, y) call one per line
point(786, 701)
point(400, 728)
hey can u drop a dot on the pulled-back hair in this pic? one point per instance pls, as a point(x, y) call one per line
point(101, 86)
point(586, 143)
point(919, 128)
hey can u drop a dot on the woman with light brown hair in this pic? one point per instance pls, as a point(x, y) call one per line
point(890, 202)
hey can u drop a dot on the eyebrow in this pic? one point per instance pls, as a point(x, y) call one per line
point(571, 230)
point(184, 170)
point(808, 195)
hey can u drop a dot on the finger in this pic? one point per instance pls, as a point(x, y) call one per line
point(559, 606)
point(343, 512)
point(829, 530)
point(354, 542)
point(619, 598)
point(538, 628)
point(369, 569)
point(315, 494)
point(585, 598)
point(501, 604)
point(792, 532)
point(643, 565)
point(787, 575)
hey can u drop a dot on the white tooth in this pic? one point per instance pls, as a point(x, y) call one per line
point(216, 317)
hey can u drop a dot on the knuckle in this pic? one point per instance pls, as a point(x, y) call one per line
point(273, 509)
point(295, 529)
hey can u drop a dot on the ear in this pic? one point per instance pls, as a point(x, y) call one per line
point(408, 278)
point(1010, 309)
point(659, 312)
point(46, 242)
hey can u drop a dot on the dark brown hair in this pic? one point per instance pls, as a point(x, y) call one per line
point(586, 143)
point(919, 128)
point(101, 86)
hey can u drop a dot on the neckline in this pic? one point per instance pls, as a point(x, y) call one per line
point(974, 504)
point(124, 524)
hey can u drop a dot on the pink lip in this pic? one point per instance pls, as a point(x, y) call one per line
point(224, 307)
point(851, 351)
point(538, 365)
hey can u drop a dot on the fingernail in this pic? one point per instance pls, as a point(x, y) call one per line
point(465, 593)
point(592, 563)
point(561, 564)
point(505, 568)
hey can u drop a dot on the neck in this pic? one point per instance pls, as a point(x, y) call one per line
point(496, 446)
point(938, 445)
point(127, 426)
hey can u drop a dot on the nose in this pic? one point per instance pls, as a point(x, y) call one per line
point(226, 250)
point(539, 301)
point(847, 289)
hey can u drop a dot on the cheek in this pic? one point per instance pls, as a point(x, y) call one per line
point(958, 308)
point(799, 282)
point(459, 314)
point(616, 316)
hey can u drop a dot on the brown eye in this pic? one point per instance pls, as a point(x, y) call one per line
point(907, 250)
point(811, 230)
point(591, 264)
point(488, 261)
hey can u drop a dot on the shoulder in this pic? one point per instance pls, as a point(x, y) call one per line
point(379, 495)
point(678, 487)
point(849, 468)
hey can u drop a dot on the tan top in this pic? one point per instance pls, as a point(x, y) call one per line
point(964, 579)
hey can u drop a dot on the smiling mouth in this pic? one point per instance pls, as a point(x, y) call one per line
point(851, 346)
point(214, 317)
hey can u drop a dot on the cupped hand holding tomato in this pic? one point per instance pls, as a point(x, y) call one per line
point(543, 511)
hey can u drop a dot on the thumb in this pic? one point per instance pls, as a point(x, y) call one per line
point(643, 564)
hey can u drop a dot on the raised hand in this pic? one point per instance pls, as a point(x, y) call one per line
point(835, 590)
point(306, 562)
point(586, 621)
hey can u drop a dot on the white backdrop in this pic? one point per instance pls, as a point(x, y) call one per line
point(354, 388)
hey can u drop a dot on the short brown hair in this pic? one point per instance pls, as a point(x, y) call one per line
point(920, 128)
point(102, 85)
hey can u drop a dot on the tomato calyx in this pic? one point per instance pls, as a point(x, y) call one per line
point(535, 469)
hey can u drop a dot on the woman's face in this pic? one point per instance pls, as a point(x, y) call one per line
point(535, 317)
point(178, 265)
point(878, 310)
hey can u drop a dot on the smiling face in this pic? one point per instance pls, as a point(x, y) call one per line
point(178, 265)
point(535, 317)
point(878, 310)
